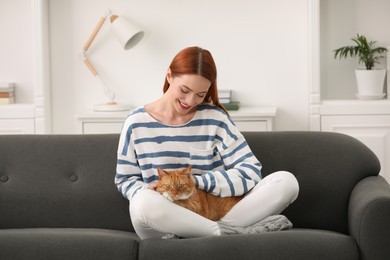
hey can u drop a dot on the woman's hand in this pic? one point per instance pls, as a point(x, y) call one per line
point(153, 186)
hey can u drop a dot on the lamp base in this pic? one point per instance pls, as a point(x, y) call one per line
point(111, 107)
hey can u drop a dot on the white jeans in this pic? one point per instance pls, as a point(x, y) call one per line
point(153, 215)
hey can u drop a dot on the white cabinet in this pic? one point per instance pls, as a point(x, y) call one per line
point(17, 119)
point(254, 119)
point(246, 119)
point(368, 122)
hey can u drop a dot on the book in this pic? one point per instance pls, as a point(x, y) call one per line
point(234, 105)
point(224, 100)
point(6, 94)
point(224, 93)
point(7, 87)
point(4, 101)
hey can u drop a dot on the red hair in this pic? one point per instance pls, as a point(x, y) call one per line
point(198, 61)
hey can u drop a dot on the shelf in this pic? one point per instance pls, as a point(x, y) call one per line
point(13, 111)
point(355, 107)
point(253, 112)
point(246, 119)
point(17, 119)
point(93, 115)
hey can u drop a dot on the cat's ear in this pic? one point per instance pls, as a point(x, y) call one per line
point(161, 173)
point(188, 171)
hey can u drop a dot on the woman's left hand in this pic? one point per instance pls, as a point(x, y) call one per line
point(153, 186)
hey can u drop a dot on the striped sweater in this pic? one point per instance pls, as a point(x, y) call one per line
point(222, 162)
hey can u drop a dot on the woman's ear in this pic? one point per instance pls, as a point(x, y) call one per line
point(169, 76)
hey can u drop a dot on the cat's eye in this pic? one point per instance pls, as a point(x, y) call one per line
point(168, 186)
point(180, 186)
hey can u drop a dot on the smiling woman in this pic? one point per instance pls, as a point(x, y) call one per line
point(191, 79)
point(188, 126)
point(188, 91)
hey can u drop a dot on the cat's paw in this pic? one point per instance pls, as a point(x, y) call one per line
point(166, 195)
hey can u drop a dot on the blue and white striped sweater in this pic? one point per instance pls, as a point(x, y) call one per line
point(221, 159)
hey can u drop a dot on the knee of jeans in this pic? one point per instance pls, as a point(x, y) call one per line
point(289, 186)
point(145, 204)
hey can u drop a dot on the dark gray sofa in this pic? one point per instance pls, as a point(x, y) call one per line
point(58, 201)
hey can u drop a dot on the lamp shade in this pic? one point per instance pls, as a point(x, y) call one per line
point(127, 34)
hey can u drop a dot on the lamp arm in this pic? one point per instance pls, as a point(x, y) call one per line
point(96, 30)
point(109, 94)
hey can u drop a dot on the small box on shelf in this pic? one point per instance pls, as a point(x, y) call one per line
point(7, 93)
point(225, 97)
point(232, 105)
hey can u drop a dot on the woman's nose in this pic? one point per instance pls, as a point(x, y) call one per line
point(191, 100)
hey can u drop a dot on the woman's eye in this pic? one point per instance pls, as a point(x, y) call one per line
point(184, 90)
point(201, 95)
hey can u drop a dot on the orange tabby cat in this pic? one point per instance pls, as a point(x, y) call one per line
point(179, 186)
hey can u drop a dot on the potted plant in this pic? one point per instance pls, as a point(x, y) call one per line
point(370, 80)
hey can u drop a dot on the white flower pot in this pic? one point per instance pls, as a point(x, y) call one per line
point(370, 83)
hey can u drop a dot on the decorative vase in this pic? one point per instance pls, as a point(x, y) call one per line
point(370, 83)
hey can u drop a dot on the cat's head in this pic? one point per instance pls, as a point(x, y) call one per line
point(177, 184)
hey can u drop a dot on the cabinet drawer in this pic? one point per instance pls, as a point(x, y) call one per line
point(251, 126)
point(372, 130)
point(17, 126)
point(102, 127)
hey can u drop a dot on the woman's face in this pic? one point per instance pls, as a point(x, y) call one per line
point(187, 91)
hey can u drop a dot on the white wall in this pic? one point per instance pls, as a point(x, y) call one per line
point(260, 48)
point(17, 47)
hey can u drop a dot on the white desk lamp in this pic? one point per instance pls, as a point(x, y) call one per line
point(128, 35)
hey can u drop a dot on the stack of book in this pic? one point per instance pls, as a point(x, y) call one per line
point(225, 97)
point(7, 93)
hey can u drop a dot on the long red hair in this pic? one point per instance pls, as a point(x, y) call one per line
point(198, 61)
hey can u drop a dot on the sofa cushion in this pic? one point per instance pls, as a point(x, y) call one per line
point(61, 181)
point(57, 243)
point(327, 166)
point(293, 244)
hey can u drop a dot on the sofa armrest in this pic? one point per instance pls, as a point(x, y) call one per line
point(369, 217)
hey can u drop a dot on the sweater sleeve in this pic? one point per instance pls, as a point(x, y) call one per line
point(128, 177)
point(242, 169)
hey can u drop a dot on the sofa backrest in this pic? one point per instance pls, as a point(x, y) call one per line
point(60, 181)
point(327, 166)
point(68, 180)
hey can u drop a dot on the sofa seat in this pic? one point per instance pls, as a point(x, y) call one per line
point(300, 244)
point(67, 243)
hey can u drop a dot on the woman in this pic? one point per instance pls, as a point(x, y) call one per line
point(188, 126)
